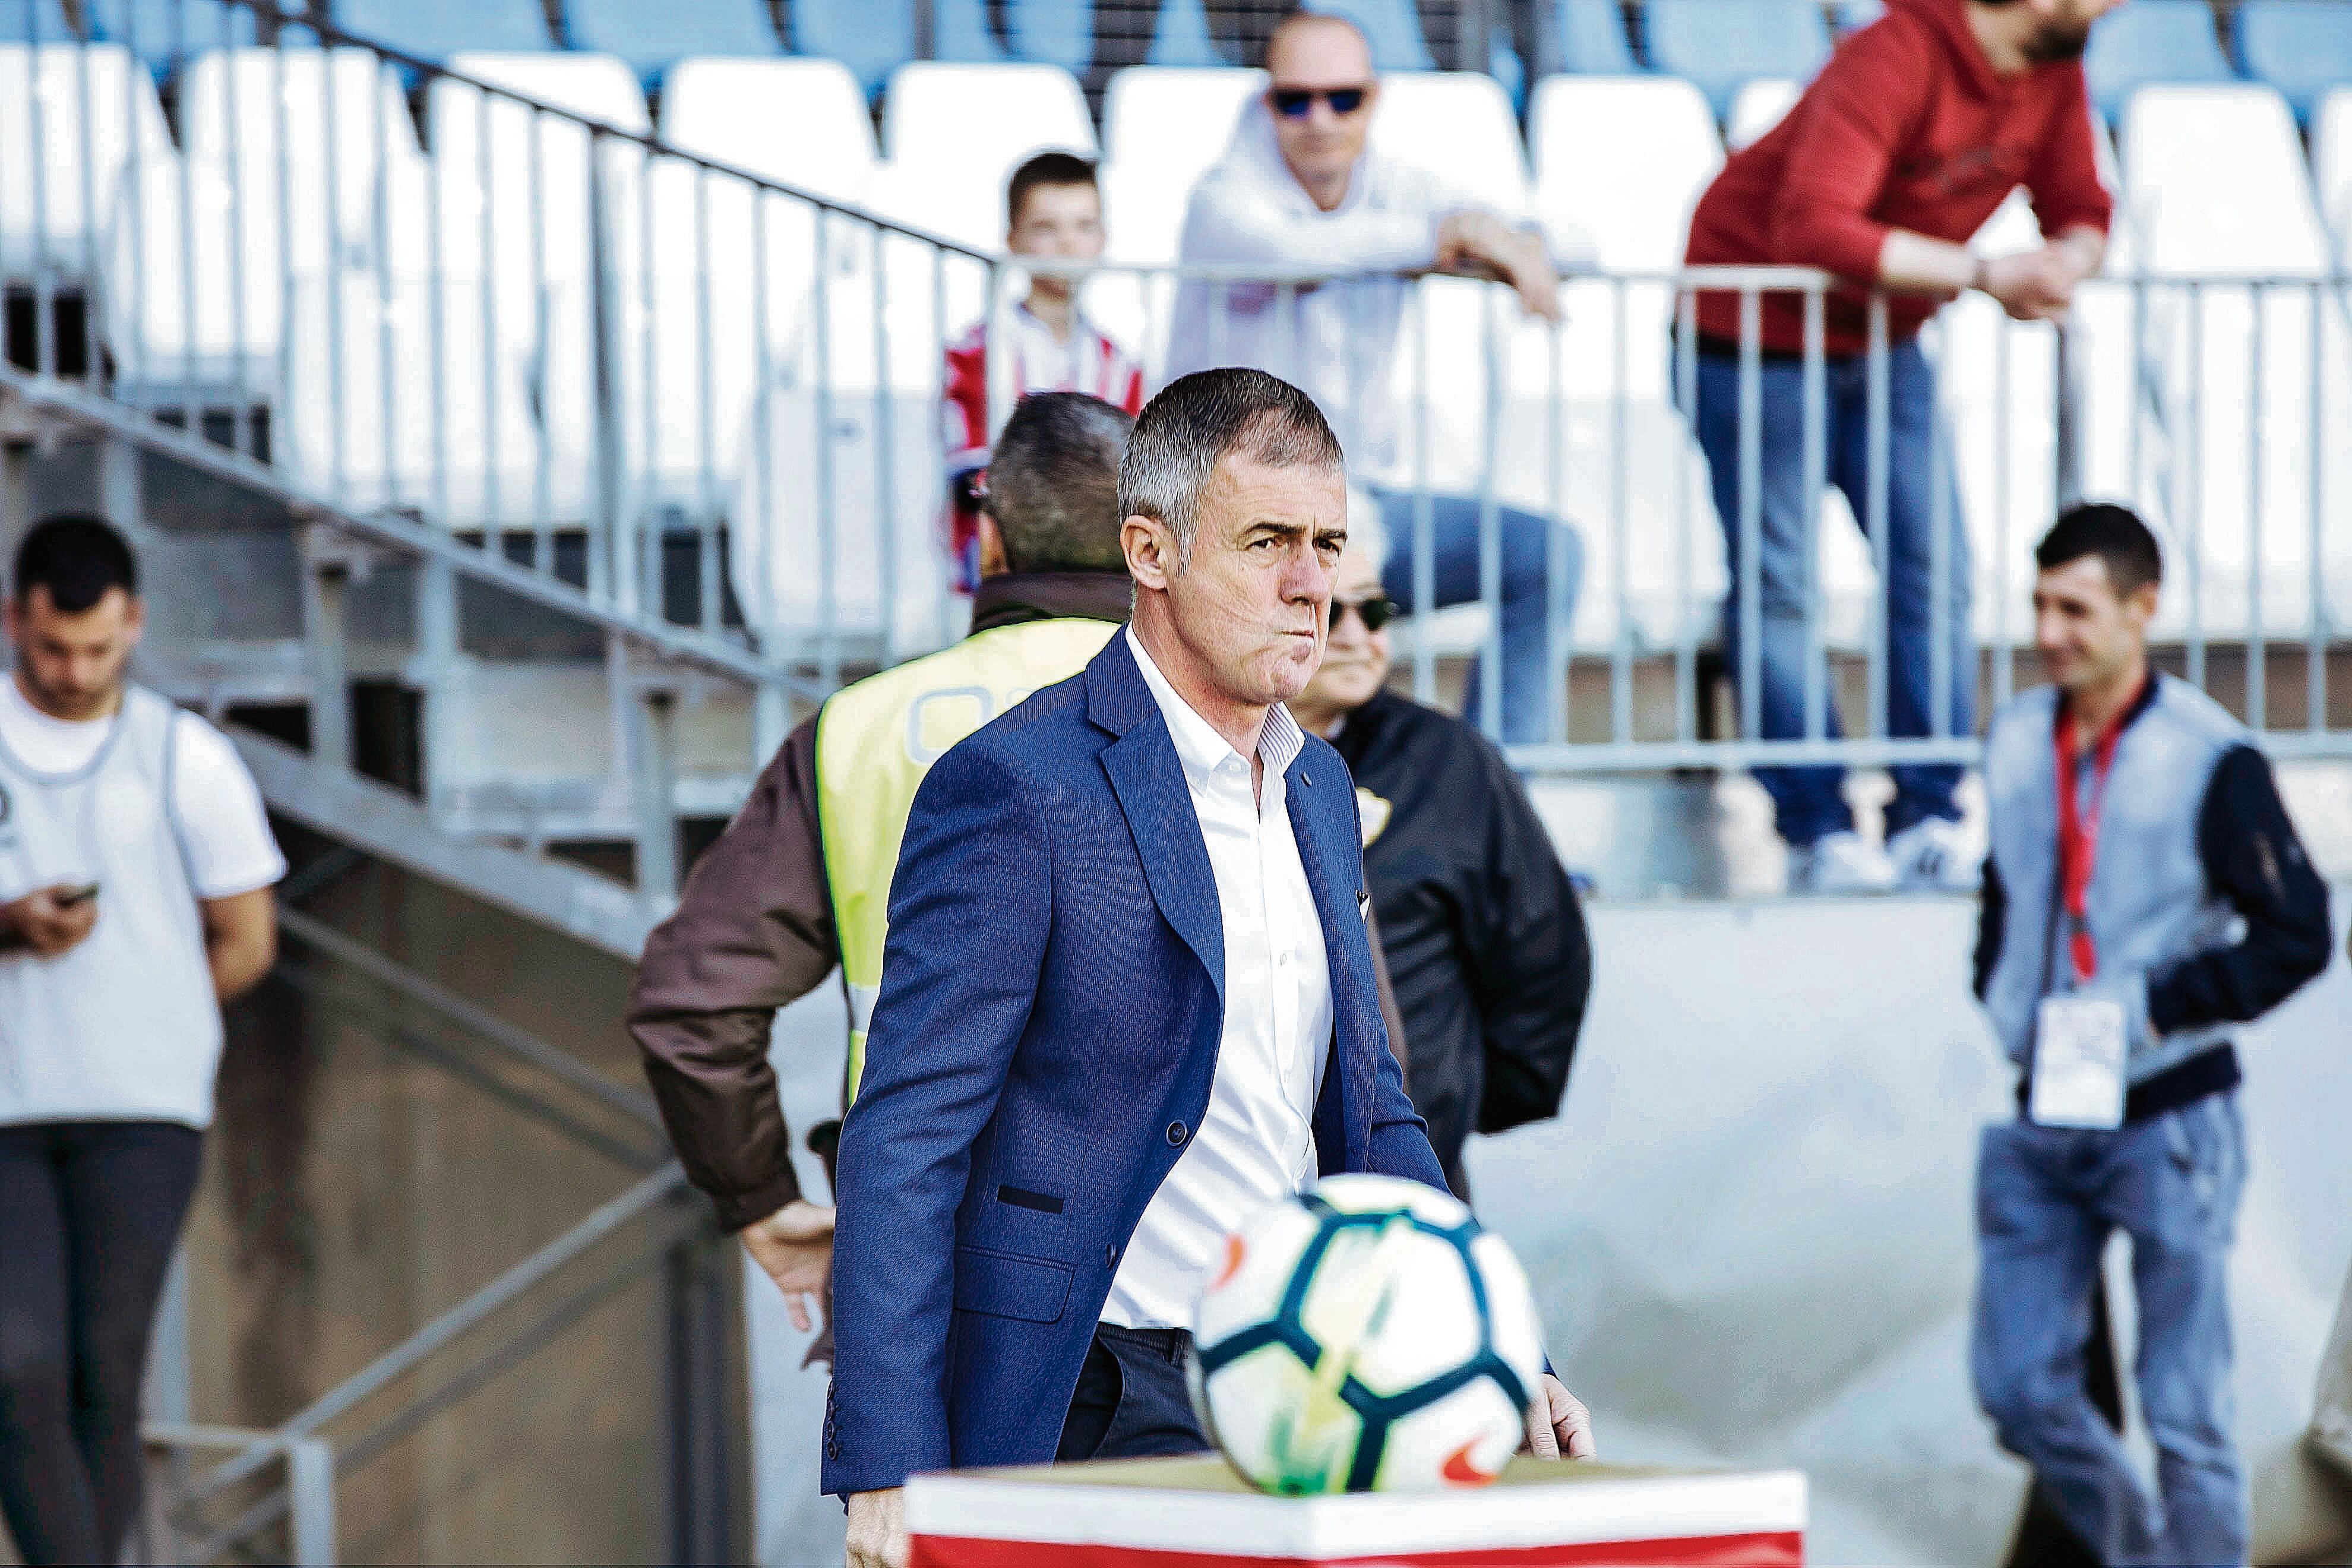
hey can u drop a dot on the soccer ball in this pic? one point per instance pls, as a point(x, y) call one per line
point(1366, 1336)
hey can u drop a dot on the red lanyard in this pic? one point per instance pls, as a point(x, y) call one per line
point(2078, 832)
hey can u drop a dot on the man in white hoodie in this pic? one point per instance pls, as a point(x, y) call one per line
point(1298, 189)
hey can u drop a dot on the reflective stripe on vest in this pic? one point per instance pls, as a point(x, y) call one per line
point(877, 740)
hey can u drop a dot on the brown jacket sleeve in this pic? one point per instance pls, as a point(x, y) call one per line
point(753, 933)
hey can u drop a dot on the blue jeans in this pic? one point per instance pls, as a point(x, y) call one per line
point(1526, 593)
point(2047, 1200)
point(1810, 802)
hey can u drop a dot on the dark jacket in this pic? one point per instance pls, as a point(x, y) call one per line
point(1486, 944)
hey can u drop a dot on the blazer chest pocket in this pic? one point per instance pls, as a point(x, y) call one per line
point(1005, 1285)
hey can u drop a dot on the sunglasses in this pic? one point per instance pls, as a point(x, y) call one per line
point(1293, 102)
point(1374, 613)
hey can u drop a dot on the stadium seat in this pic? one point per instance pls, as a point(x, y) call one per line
point(1761, 104)
point(2152, 41)
point(1636, 202)
point(2216, 176)
point(2331, 166)
point(519, 183)
point(1179, 37)
point(802, 123)
point(61, 233)
point(1175, 119)
point(439, 29)
point(166, 33)
point(1719, 43)
point(953, 133)
point(1592, 40)
point(1852, 15)
point(1459, 126)
point(652, 37)
point(1053, 32)
point(33, 22)
point(2301, 48)
point(1391, 27)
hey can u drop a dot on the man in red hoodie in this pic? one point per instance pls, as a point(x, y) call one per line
point(1913, 134)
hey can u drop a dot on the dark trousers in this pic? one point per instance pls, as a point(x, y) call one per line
point(1131, 1400)
point(89, 1211)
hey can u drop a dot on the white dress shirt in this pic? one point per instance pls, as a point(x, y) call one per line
point(1255, 1143)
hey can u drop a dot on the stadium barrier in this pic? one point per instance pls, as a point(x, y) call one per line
point(709, 400)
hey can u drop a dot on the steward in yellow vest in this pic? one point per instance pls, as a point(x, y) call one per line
point(800, 880)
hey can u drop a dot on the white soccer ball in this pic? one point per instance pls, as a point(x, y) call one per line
point(1366, 1336)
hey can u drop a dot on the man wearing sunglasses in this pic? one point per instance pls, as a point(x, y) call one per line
point(1298, 189)
point(1485, 942)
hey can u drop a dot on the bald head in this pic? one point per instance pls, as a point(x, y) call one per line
point(1320, 92)
point(1314, 40)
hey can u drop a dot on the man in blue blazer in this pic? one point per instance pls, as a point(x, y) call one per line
point(1127, 997)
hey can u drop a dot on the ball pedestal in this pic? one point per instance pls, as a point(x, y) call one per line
point(1196, 1513)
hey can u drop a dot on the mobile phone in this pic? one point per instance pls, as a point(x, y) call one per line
point(70, 897)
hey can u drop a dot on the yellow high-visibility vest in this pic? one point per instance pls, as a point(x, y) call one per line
point(875, 741)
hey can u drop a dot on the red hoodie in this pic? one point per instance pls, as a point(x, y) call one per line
point(1908, 126)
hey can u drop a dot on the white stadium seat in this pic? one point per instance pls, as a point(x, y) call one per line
point(2331, 166)
point(521, 184)
point(799, 123)
point(71, 118)
point(954, 133)
point(1759, 107)
point(2216, 183)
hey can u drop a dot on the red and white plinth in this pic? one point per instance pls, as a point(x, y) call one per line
point(1196, 1513)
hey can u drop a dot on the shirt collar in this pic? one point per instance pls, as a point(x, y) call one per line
point(1199, 747)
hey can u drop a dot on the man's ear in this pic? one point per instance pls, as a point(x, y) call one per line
point(993, 562)
point(2142, 601)
point(1150, 546)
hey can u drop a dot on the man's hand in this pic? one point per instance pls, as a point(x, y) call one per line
point(48, 927)
point(1520, 256)
point(793, 1247)
point(878, 1529)
point(1558, 1426)
point(2035, 285)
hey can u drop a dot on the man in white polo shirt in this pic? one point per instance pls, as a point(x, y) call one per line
point(135, 869)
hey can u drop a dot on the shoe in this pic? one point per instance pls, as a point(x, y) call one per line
point(1841, 863)
point(1934, 856)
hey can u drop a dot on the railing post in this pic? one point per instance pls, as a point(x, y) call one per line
point(327, 569)
point(698, 1426)
point(653, 753)
point(310, 1501)
point(2067, 417)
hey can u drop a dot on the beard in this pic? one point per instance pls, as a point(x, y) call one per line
point(2057, 41)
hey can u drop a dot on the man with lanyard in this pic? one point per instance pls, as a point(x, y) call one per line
point(2133, 826)
point(136, 864)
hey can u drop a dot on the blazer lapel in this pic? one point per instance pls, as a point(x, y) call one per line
point(1335, 879)
point(1150, 782)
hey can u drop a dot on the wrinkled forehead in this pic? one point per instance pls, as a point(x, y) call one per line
point(1245, 491)
point(1318, 51)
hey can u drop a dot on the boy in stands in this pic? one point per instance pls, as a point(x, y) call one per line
point(1053, 209)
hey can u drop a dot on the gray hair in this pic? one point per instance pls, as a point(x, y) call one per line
point(1197, 421)
point(1053, 484)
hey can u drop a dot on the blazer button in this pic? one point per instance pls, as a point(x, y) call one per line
point(1176, 1134)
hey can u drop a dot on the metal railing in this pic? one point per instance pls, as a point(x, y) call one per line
point(540, 348)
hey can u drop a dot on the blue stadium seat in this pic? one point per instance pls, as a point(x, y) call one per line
point(1592, 40)
point(1854, 15)
point(963, 35)
point(1391, 27)
point(653, 36)
point(1053, 33)
point(435, 30)
point(2152, 40)
point(1719, 43)
point(1181, 37)
point(872, 39)
point(29, 21)
point(166, 33)
point(2302, 50)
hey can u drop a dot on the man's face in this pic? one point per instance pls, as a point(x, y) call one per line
point(2086, 633)
point(2063, 27)
point(71, 663)
point(1062, 223)
point(1309, 63)
point(1253, 601)
point(1355, 658)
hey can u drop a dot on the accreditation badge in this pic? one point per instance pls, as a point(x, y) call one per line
point(2078, 1064)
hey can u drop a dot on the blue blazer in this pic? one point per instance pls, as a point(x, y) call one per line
point(1052, 1002)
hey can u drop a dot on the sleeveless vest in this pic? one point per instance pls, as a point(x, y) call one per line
point(877, 740)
